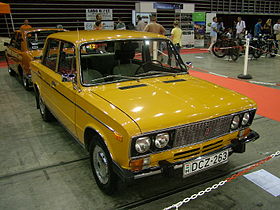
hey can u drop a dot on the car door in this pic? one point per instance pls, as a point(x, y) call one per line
point(14, 53)
point(62, 83)
point(59, 67)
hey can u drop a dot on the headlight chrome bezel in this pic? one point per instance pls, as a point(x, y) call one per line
point(158, 140)
point(140, 142)
point(245, 119)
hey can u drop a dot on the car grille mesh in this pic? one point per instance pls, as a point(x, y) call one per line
point(202, 131)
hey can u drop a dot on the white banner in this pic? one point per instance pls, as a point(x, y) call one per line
point(107, 14)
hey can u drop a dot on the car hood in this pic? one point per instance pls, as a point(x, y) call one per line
point(162, 102)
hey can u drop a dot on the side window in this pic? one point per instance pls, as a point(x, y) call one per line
point(52, 50)
point(13, 40)
point(67, 60)
point(18, 41)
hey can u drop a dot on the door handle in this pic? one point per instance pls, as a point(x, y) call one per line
point(53, 83)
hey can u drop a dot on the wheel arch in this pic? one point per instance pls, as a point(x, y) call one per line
point(90, 134)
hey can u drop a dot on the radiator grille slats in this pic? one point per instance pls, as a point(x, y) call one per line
point(202, 131)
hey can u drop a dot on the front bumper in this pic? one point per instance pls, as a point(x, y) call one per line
point(167, 168)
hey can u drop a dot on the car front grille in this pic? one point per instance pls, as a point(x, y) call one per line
point(202, 131)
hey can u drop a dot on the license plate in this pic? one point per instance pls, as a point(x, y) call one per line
point(204, 163)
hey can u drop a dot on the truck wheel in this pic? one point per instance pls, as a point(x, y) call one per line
point(101, 165)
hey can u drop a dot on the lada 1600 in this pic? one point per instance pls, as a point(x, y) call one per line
point(128, 98)
point(24, 47)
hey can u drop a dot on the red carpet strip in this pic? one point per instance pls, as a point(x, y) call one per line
point(268, 99)
point(193, 51)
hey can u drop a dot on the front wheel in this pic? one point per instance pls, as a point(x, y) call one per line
point(218, 50)
point(101, 165)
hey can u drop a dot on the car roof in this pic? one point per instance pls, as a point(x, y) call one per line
point(83, 36)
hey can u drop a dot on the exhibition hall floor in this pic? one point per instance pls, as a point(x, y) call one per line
point(42, 167)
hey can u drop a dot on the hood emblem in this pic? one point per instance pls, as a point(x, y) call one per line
point(207, 131)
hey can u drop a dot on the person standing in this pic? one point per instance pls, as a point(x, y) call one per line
point(176, 36)
point(240, 28)
point(98, 18)
point(140, 24)
point(276, 29)
point(120, 25)
point(98, 26)
point(267, 28)
point(155, 27)
point(213, 33)
point(220, 26)
point(25, 25)
point(258, 28)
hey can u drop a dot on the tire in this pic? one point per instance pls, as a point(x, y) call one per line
point(45, 112)
point(220, 53)
point(25, 82)
point(234, 54)
point(10, 71)
point(101, 166)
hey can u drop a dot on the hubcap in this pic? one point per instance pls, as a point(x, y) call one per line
point(42, 106)
point(100, 163)
point(25, 83)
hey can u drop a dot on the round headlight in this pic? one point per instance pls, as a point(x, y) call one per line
point(161, 140)
point(235, 122)
point(245, 119)
point(142, 144)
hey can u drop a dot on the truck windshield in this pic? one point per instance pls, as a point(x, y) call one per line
point(122, 60)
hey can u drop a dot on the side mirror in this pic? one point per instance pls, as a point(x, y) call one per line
point(6, 44)
point(68, 77)
point(189, 64)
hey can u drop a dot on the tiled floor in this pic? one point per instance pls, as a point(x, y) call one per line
point(42, 167)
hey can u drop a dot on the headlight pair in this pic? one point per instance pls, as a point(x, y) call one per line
point(143, 144)
point(245, 118)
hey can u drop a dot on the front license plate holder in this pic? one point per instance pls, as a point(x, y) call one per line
point(204, 163)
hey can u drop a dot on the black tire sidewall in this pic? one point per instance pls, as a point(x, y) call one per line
point(110, 187)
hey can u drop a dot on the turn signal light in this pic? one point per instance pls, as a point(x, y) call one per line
point(136, 165)
point(244, 133)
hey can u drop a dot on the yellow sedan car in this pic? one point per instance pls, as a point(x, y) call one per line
point(24, 47)
point(128, 98)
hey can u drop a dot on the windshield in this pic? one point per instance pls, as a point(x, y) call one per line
point(122, 60)
point(36, 39)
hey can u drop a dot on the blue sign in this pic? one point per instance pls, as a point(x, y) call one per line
point(167, 6)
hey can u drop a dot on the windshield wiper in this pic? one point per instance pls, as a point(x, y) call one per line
point(158, 72)
point(115, 76)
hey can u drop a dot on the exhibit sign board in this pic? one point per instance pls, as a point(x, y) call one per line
point(199, 28)
point(107, 14)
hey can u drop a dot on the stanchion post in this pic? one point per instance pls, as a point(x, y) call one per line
point(245, 74)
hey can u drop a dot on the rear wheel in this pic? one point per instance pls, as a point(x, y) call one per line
point(45, 112)
point(101, 165)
